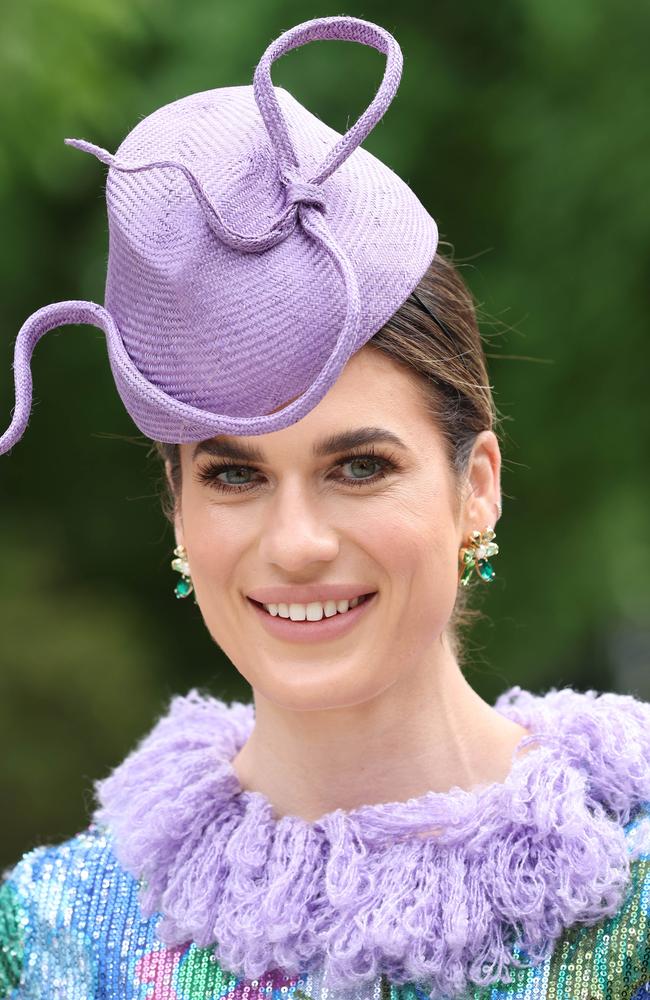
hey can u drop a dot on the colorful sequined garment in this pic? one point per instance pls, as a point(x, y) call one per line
point(177, 844)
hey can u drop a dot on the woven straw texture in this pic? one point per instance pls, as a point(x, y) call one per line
point(252, 250)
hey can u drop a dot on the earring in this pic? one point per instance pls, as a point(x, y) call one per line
point(475, 556)
point(184, 586)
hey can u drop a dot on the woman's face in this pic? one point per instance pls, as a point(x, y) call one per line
point(382, 518)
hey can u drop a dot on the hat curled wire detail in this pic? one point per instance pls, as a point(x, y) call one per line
point(160, 414)
point(299, 190)
point(278, 231)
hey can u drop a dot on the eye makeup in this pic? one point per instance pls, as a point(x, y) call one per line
point(387, 464)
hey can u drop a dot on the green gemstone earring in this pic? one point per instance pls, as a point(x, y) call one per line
point(476, 556)
point(184, 586)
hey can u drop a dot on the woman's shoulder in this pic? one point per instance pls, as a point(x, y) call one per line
point(77, 868)
point(61, 907)
point(609, 958)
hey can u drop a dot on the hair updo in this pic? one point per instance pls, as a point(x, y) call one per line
point(449, 364)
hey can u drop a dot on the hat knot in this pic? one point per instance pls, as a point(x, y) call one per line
point(307, 192)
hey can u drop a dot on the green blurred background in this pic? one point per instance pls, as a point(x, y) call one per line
point(523, 128)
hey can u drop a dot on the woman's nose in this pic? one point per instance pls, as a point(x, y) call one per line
point(295, 532)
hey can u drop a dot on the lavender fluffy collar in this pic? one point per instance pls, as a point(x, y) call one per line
point(358, 893)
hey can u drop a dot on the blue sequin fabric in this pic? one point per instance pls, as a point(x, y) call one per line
point(71, 929)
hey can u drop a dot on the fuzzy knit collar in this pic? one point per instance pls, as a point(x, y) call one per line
point(358, 893)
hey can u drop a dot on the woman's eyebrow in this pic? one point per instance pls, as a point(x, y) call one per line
point(225, 447)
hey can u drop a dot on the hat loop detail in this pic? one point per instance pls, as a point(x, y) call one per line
point(244, 242)
point(345, 28)
point(304, 192)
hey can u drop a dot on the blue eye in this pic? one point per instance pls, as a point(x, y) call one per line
point(230, 468)
point(367, 459)
point(209, 474)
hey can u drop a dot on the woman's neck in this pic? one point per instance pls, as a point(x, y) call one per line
point(430, 731)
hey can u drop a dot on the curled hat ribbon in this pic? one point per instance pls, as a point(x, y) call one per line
point(299, 190)
point(305, 200)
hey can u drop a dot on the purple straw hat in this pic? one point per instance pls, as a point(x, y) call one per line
point(252, 251)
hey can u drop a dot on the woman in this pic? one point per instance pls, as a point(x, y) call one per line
point(369, 824)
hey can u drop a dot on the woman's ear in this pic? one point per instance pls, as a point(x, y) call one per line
point(178, 530)
point(484, 478)
point(178, 521)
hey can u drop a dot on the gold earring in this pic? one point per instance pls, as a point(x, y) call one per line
point(476, 555)
point(184, 586)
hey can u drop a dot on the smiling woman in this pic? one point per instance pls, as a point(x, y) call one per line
point(368, 825)
point(387, 517)
point(434, 344)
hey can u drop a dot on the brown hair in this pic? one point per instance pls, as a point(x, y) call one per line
point(449, 365)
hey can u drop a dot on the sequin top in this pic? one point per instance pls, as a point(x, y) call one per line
point(75, 923)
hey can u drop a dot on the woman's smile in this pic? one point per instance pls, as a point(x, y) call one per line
point(291, 622)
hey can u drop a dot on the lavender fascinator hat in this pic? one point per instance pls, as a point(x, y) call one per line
point(252, 251)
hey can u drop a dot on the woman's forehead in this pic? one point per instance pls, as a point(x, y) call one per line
point(372, 402)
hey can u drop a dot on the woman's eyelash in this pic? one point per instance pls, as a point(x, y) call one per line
point(208, 475)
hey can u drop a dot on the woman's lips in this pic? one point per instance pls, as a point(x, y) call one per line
point(304, 631)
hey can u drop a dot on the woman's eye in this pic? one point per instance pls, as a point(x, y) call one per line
point(360, 463)
point(236, 470)
point(238, 476)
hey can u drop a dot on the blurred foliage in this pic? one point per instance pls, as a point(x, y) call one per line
point(523, 129)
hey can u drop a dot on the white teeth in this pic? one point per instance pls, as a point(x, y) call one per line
point(312, 612)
